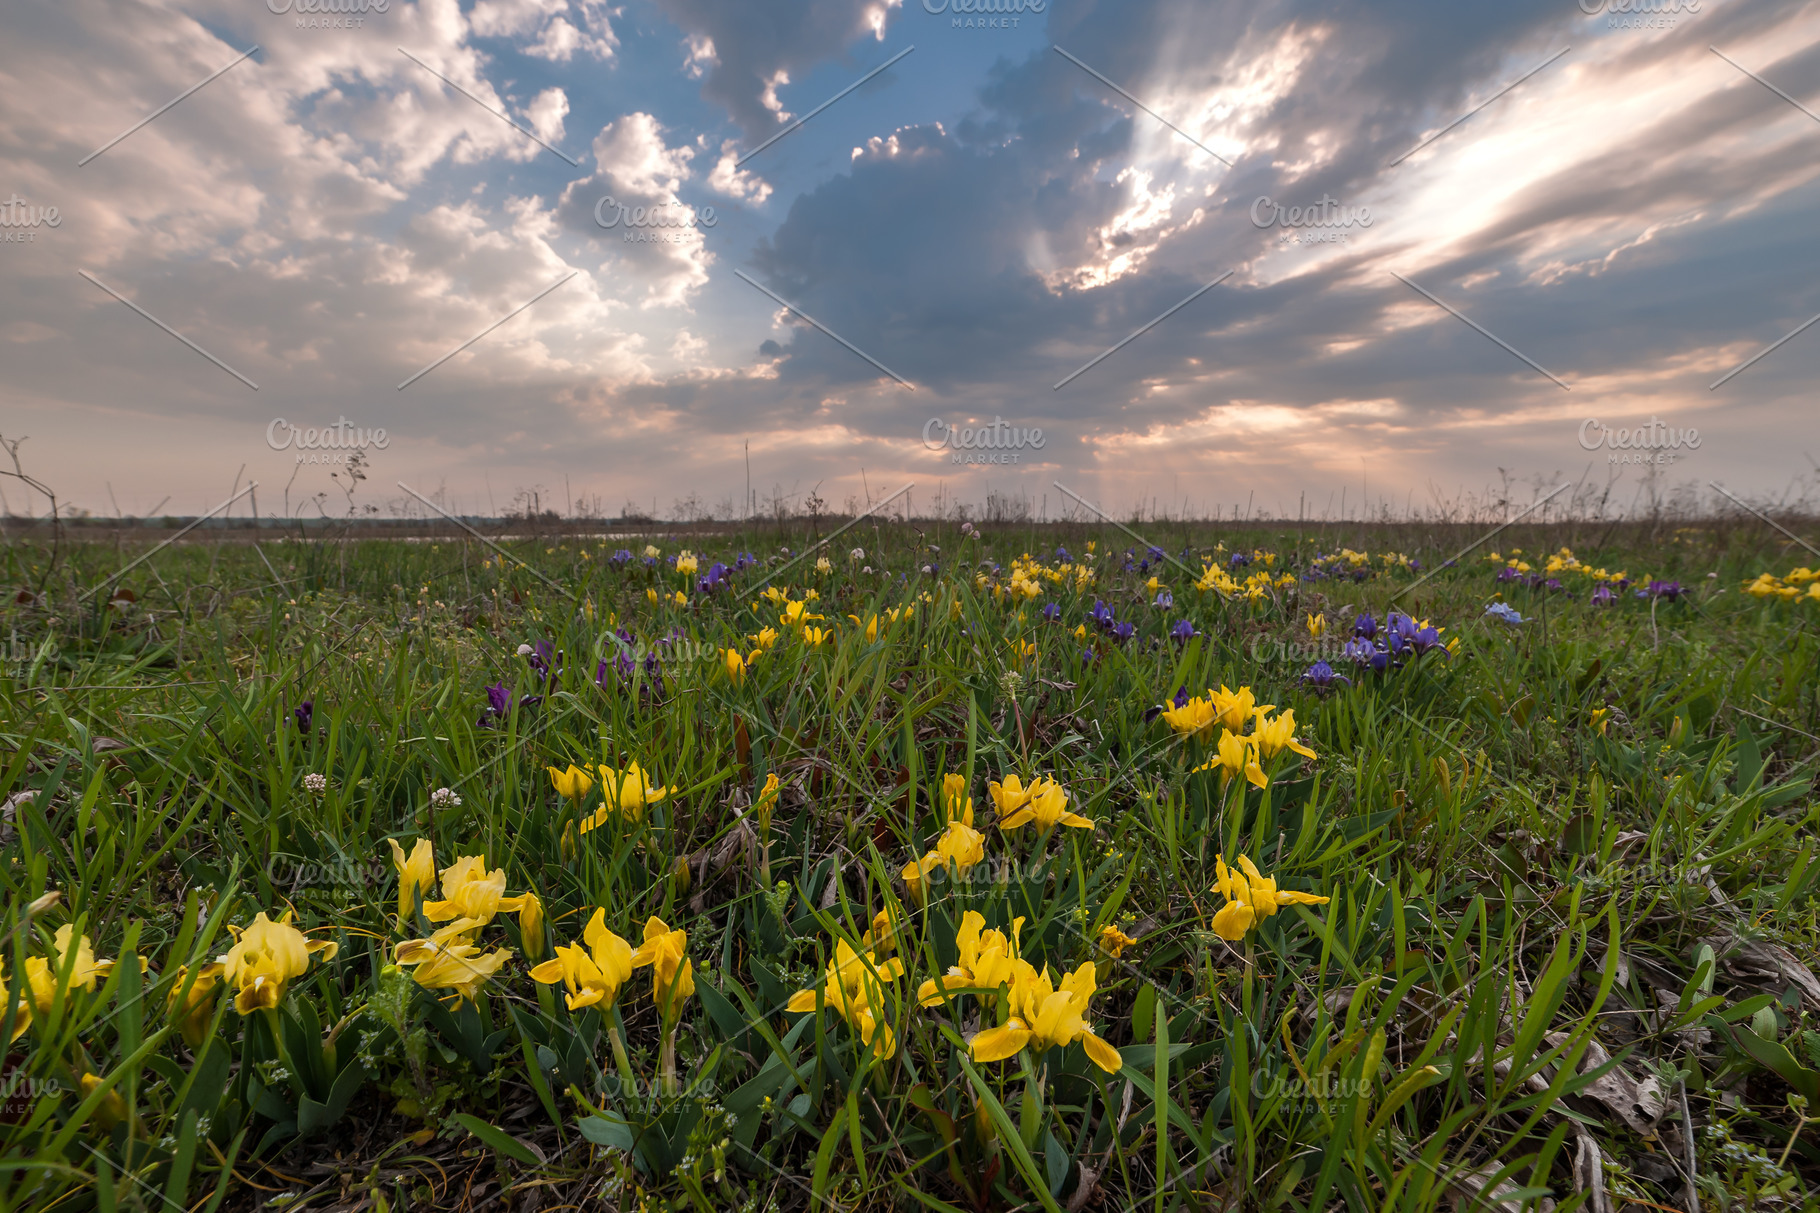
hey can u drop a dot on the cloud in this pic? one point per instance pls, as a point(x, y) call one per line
point(747, 51)
point(328, 218)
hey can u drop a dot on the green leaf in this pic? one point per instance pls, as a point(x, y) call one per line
point(608, 1129)
point(1008, 1134)
point(1143, 1010)
point(499, 1140)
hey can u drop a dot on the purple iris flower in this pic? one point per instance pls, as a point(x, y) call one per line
point(305, 712)
point(1052, 611)
point(544, 660)
point(1361, 574)
point(1101, 615)
point(1179, 700)
point(1359, 651)
point(620, 559)
point(1365, 627)
point(1122, 632)
point(1238, 560)
point(1508, 573)
point(1321, 679)
point(1156, 553)
point(499, 704)
point(1061, 554)
point(1183, 631)
point(1670, 590)
point(1425, 639)
point(1602, 596)
point(1400, 625)
point(1164, 599)
point(744, 561)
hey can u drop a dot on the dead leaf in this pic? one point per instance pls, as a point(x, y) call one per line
point(1470, 1195)
point(1589, 1171)
point(10, 810)
point(1756, 961)
point(1083, 1192)
point(1639, 1104)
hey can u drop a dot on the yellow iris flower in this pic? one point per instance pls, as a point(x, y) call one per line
point(266, 957)
point(958, 850)
point(416, 874)
point(1250, 897)
point(459, 966)
point(1113, 941)
point(593, 974)
point(573, 783)
point(672, 973)
point(987, 960)
point(1195, 718)
point(1045, 1018)
point(471, 896)
point(1275, 736)
point(1238, 756)
point(1045, 807)
point(1233, 708)
point(193, 1013)
point(629, 792)
point(857, 988)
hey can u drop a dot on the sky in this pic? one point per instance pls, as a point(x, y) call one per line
point(1272, 257)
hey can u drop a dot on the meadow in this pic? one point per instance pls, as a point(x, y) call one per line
point(921, 866)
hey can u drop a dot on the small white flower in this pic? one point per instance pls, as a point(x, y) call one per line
point(444, 798)
point(525, 650)
point(867, 569)
point(927, 569)
point(966, 528)
point(858, 553)
point(316, 783)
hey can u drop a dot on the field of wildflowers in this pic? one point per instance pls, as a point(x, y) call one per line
point(931, 867)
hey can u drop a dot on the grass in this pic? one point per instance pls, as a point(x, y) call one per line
point(1570, 870)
